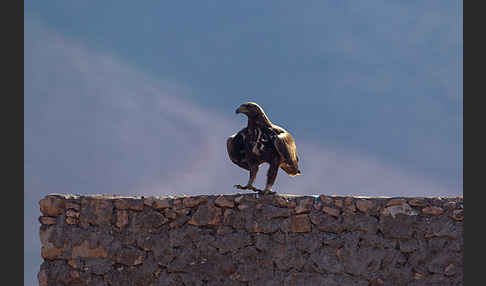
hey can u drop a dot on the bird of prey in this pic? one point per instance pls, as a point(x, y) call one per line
point(260, 142)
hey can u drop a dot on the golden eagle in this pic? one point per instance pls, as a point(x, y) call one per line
point(260, 142)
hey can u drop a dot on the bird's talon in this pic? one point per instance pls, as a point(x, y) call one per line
point(267, 192)
point(240, 187)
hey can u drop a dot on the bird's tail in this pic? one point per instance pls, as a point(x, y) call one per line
point(291, 170)
point(295, 173)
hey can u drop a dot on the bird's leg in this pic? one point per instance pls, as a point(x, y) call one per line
point(271, 177)
point(249, 186)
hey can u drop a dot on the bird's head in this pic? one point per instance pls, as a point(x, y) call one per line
point(255, 114)
point(250, 109)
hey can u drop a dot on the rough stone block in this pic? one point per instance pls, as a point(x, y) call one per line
point(250, 240)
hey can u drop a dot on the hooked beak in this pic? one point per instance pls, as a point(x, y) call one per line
point(240, 109)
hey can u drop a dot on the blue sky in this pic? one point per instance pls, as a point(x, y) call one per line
point(139, 98)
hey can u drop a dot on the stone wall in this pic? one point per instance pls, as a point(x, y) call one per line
point(250, 240)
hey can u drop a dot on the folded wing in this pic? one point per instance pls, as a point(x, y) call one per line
point(285, 145)
point(235, 147)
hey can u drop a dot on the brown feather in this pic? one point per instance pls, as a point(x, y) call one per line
point(262, 142)
point(285, 145)
point(234, 145)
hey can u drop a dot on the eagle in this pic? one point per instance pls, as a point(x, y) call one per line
point(262, 142)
